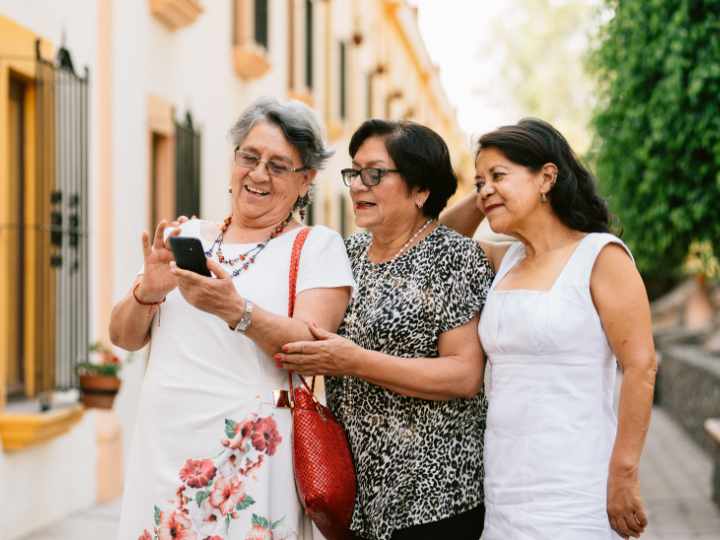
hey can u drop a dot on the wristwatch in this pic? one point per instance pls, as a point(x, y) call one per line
point(242, 326)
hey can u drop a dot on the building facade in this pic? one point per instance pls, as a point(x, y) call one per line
point(113, 116)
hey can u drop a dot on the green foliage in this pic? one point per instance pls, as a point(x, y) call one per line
point(657, 151)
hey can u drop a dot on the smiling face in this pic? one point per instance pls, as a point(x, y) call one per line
point(259, 197)
point(508, 193)
point(387, 205)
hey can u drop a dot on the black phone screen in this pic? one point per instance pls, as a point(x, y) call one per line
point(189, 255)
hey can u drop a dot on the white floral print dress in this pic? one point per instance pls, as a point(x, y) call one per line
point(210, 456)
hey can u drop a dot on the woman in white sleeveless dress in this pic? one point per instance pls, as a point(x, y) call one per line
point(565, 303)
point(211, 456)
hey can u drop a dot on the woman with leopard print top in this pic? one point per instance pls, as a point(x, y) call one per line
point(405, 373)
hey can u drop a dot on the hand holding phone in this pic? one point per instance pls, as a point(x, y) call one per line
point(189, 255)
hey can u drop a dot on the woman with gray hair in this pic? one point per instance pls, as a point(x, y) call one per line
point(211, 455)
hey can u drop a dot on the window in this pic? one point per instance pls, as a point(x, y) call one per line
point(251, 38)
point(187, 168)
point(261, 22)
point(343, 82)
point(308, 44)
point(44, 271)
point(162, 184)
point(16, 237)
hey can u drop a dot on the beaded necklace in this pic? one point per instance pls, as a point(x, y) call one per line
point(248, 258)
point(350, 319)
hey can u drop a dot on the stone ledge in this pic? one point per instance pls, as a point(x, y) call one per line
point(176, 13)
point(20, 430)
point(712, 426)
point(688, 388)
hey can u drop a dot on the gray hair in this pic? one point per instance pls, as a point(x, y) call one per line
point(300, 126)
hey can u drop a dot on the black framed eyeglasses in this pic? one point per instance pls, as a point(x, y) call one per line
point(275, 168)
point(370, 176)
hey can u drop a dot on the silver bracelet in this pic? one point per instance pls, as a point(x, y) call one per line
point(242, 326)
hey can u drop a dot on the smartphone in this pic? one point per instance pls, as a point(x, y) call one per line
point(189, 255)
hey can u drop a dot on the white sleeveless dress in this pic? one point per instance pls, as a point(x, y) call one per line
point(550, 425)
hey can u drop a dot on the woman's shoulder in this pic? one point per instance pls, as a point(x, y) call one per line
point(454, 245)
point(355, 244)
point(324, 245)
point(322, 233)
point(595, 242)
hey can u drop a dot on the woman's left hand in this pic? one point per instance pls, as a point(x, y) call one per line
point(331, 355)
point(217, 296)
point(624, 506)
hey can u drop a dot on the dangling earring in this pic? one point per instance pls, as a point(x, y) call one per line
point(230, 190)
point(302, 214)
point(543, 198)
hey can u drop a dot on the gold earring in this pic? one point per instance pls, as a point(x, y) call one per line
point(543, 197)
point(419, 204)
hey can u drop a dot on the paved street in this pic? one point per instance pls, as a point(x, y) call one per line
point(97, 523)
point(674, 474)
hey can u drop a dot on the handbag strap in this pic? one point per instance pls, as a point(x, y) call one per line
point(294, 266)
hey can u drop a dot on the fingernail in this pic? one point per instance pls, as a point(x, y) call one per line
point(291, 371)
point(285, 349)
point(278, 365)
point(277, 357)
point(315, 325)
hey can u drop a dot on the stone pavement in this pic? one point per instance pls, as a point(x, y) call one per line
point(99, 522)
point(675, 479)
point(674, 474)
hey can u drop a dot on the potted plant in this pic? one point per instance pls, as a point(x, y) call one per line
point(99, 380)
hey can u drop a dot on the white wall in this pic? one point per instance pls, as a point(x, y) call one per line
point(44, 483)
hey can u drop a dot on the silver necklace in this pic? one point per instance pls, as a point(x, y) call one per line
point(350, 319)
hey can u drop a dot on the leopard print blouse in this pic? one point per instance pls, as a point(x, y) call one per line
point(417, 461)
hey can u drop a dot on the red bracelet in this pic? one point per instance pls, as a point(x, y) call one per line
point(151, 305)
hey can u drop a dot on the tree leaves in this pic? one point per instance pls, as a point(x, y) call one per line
point(658, 126)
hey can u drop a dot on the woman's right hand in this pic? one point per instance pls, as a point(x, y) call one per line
point(157, 280)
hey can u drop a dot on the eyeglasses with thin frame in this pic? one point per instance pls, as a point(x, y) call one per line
point(369, 176)
point(274, 168)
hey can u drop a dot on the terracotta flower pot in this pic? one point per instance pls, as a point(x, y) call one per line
point(99, 390)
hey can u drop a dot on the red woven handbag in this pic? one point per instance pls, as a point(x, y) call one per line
point(324, 471)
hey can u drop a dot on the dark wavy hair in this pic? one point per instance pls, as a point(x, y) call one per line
point(534, 143)
point(421, 155)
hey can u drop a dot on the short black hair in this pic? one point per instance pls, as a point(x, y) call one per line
point(421, 155)
point(533, 143)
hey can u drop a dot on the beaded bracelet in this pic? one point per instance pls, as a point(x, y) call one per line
point(151, 305)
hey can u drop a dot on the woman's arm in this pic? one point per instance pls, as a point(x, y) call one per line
point(130, 321)
point(464, 216)
point(458, 372)
point(269, 331)
point(620, 298)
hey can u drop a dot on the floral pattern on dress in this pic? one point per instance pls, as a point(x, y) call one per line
point(213, 490)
